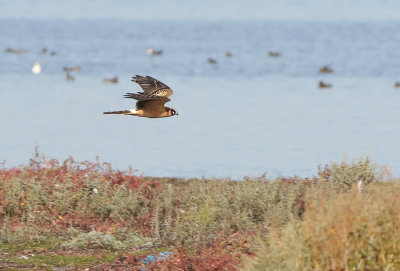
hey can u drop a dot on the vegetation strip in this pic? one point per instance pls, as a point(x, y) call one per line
point(87, 215)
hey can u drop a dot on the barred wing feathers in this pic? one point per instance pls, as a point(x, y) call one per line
point(152, 87)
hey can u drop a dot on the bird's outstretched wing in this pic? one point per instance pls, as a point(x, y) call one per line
point(152, 87)
point(148, 102)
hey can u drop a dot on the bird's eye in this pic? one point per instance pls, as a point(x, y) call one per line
point(173, 112)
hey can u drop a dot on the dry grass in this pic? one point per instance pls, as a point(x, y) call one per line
point(351, 230)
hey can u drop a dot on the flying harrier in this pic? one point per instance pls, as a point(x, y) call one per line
point(150, 103)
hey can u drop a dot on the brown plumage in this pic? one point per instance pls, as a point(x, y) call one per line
point(72, 69)
point(16, 51)
point(322, 84)
point(113, 80)
point(211, 60)
point(325, 69)
point(150, 103)
point(69, 77)
point(274, 54)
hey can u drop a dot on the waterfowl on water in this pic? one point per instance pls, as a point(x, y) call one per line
point(37, 68)
point(154, 52)
point(113, 80)
point(322, 84)
point(274, 54)
point(72, 69)
point(16, 51)
point(211, 60)
point(69, 77)
point(325, 69)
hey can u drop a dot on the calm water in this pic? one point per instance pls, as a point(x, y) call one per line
point(247, 115)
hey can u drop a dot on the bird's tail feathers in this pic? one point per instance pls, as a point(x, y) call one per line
point(124, 112)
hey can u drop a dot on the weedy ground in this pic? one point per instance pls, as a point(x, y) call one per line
point(81, 215)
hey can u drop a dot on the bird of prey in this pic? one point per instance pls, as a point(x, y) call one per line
point(150, 103)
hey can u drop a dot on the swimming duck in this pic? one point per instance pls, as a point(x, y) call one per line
point(37, 68)
point(325, 69)
point(69, 77)
point(152, 51)
point(211, 60)
point(72, 69)
point(274, 54)
point(111, 81)
point(322, 84)
point(16, 51)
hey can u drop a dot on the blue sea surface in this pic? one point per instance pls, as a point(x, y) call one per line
point(244, 116)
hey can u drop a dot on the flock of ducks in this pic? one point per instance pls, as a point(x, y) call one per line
point(325, 69)
point(229, 54)
point(37, 67)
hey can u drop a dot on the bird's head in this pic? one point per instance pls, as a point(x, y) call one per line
point(150, 50)
point(173, 112)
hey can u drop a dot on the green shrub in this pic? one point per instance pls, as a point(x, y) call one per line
point(94, 240)
point(342, 176)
